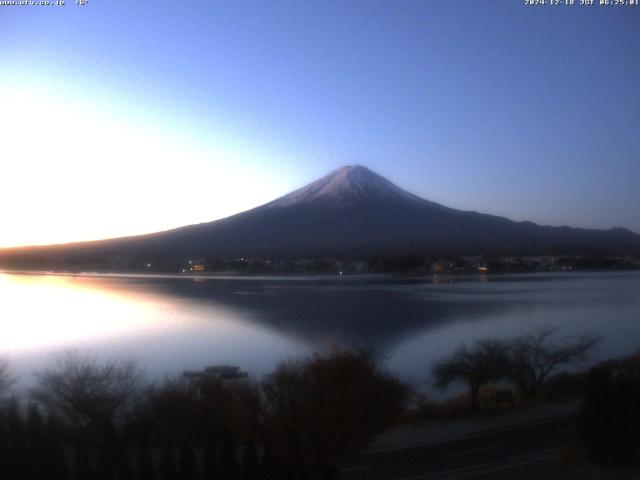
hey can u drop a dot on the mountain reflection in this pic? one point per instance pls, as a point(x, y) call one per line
point(172, 323)
point(359, 312)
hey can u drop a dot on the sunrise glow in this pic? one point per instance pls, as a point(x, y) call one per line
point(68, 312)
point(76, 171)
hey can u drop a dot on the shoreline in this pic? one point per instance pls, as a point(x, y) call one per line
point(311, 276)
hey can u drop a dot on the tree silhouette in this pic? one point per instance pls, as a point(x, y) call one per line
point(228, 460)
point(476, 366)
point(6, 379)
point(145, 466)
point(167, 468)
point(36, 444)
point(273, 466)
point(123, 467)
point(17, 461)
point(5, 454)
point(56, 462)
point(321, 409)
point(82, 468)
point(96, 397)
point(535, 355)
point(85, 391)
point(210, 467)
point(611, 412)
point(187, 463)
point(107, 461)
point(250, 462)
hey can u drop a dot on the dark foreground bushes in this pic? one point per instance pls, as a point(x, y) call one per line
point(103, 423)
point(611, 413)
point(318, 410)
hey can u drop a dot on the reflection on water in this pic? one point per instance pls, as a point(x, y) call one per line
point(43, 312)
point(171, 324)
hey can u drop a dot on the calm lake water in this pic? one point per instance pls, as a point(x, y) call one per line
point(170, 324)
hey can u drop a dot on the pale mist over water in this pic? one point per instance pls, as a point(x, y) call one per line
point(170, 324)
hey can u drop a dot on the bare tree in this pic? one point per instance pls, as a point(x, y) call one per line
point(476, 366)
point(6, 379)
point(87, 392)
point(327, 406)
point(534, 355)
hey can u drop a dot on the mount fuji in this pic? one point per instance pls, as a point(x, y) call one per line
point(351, 211)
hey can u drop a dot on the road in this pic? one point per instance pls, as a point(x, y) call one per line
point(518, 451)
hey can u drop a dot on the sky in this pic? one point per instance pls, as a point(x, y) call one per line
point(120, 117)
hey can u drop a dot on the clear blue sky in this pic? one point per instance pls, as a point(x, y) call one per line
point(124, 117)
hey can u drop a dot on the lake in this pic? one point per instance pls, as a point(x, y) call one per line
point(170, 324)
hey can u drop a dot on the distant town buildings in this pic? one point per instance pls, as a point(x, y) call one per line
point(392, 263)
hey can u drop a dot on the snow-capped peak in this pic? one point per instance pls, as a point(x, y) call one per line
point(351, 183)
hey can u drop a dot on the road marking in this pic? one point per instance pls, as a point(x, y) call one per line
point(479, 449)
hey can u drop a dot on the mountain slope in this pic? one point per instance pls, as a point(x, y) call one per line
point(350, 211)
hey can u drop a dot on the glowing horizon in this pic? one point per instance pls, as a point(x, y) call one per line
point(76, 182)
